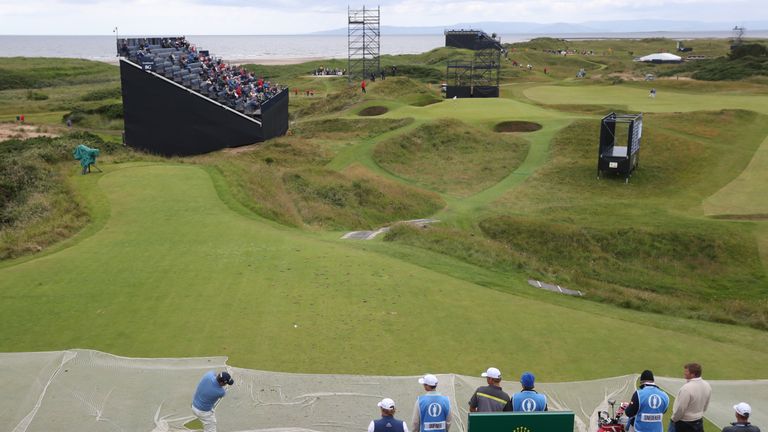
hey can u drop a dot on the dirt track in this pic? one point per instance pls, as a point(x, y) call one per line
point(15, 130)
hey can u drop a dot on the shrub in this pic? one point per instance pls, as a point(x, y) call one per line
point(38, 96)
point(101, 94)
point(748, 50)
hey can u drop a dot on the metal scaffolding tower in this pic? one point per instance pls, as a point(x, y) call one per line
point(364, 46)
point(480, 73)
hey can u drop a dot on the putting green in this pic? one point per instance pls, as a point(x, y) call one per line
point(176, 272)
point(637, 98)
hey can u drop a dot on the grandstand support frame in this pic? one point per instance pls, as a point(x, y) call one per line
point(481, 72)
point(363, 43)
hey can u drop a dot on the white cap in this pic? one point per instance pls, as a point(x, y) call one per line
point(492, 372)
point(387, 404)
point(742, 409)
point(429, 380)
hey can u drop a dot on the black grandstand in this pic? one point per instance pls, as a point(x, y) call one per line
point(181, 100)
point(480, 76)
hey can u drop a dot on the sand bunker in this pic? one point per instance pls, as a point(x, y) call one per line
point(373, 111)
point(516, 126)
point(15, 130)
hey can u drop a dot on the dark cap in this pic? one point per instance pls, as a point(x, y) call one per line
point(646, 375)
point(527, 380)
point(225, 378)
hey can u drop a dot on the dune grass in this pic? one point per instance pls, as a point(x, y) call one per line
point(451, 157)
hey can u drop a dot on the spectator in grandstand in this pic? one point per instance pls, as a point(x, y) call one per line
point(742, 424)
point(527, 400)
point(691, 402)
point(648, 405)
point(209, 391)
point(432, 412)
point(490, 398)
point(387, 422)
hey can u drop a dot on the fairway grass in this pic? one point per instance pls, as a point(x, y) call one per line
point(175, 272)
point(636, 99)
point(747, 195)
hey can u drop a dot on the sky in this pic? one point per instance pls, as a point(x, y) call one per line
point(266, 17)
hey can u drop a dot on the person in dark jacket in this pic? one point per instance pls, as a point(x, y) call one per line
point(648, 405)
point(742, 424)
point(387, 422)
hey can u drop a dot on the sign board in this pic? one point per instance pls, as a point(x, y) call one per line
point(546, 421)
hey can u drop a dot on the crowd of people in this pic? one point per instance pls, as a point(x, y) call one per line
point(567, 52)
point(232, 84)
point(323, 71)
point(432, 410)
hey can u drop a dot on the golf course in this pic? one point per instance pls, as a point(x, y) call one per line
point(238, 253)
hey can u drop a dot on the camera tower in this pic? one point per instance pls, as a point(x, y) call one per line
point(364, 48)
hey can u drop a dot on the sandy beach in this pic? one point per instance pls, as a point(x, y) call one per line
point(275, 61)
point(260, 61)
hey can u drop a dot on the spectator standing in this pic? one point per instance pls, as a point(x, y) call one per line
point(209, 391)
point(528, 400)
point(490, 398)
point(387, 422)
point(743, 410)
point(691, 402)
point(432, 412)
point(648, 405)
point(362, 86)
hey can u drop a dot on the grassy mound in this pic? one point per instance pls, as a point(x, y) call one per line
point(405, 90)
point(372, 111)
point(332, 103)
point(37, 205)
point(23, 72)
point(451, 156)
point(516, 126)
point(284, 180)
point(355, 198)
point(684, 159)
point(340, 128)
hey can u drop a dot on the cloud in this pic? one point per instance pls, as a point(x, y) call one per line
point(299, 16)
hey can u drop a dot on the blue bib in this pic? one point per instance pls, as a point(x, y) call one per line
point(434, 410)
point(528, 401)
point(653, 403)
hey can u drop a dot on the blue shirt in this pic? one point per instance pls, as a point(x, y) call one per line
point(208, 392)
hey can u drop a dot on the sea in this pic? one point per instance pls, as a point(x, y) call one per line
point(287, 47)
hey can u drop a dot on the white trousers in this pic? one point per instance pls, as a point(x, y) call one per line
point(207, 418)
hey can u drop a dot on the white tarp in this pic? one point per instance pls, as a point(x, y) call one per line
point(667, 57)
point(87, 391)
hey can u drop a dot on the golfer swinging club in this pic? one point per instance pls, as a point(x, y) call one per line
point(209, 391)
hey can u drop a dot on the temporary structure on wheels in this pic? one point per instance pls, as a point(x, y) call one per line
point(619, 144)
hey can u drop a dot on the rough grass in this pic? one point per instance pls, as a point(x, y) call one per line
point(284, 180)
point(451, 157)
point(355, 198)
point(341, 128)
point(38, 206)
point(25, 72)
point(582, 230)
